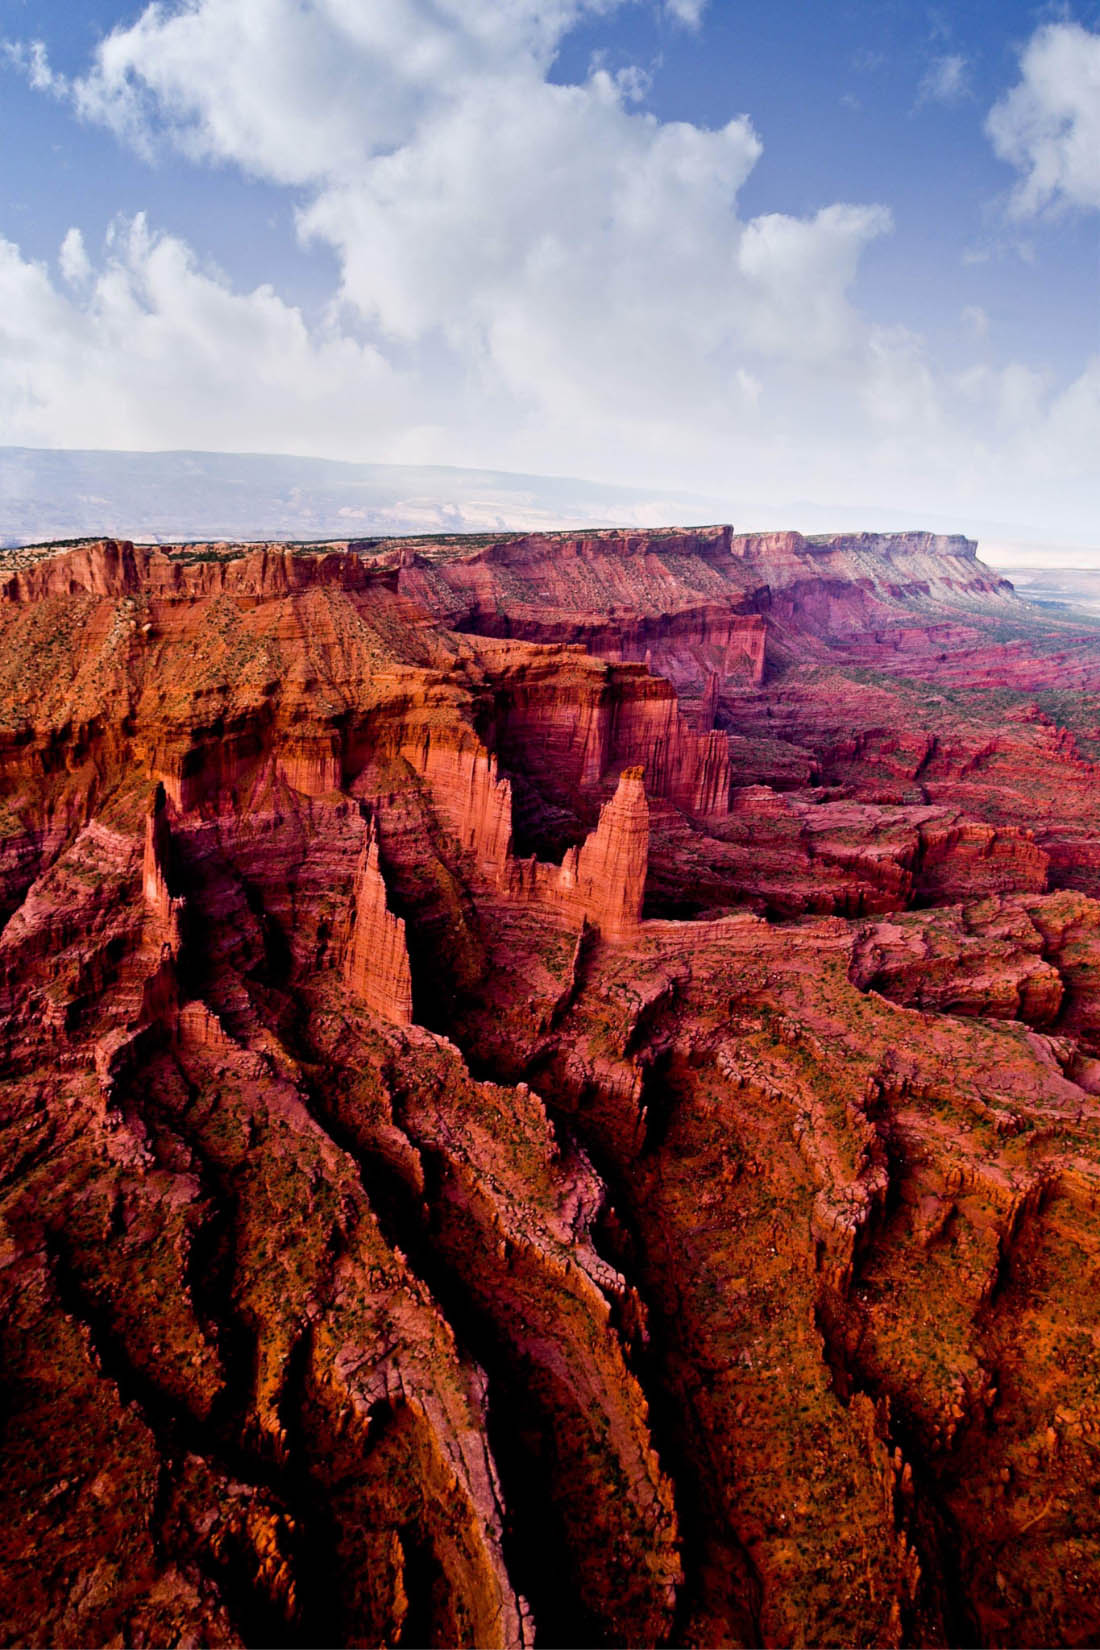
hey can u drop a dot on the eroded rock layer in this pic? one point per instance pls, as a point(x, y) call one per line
point(550, 1095)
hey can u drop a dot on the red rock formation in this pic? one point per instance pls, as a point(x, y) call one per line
point(601, 883)
point(469, 794)
point(377, 965)
point(610, 867)
point(697, 1277)
point(653, 597)
point(983, 959)
point(154, 870)
point(689, 603)
point(567, 722)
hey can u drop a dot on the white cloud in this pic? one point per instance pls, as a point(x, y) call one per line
point(32, 60)
point(73, 259)
point(947, 80)
point(1048, 126)
point(296, 90)
point(798, 271)
point(1074, 424)
point(152, 351)
point(688, 12)
point(544, 262)
point(532, 276)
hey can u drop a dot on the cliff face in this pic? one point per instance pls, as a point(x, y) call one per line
point(505, 1143)
point(611, 865)
point(602, 882)
point(690, 603)
point(376, 969)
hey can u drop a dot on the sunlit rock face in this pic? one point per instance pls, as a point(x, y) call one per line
point(550, 1095)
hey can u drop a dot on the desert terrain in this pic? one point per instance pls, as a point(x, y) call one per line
point(550, 1094)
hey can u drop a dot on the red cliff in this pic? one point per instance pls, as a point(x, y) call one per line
point(610, 866)
point(377, 964)
point(713, 1262)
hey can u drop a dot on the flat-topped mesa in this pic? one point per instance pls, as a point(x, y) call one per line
point(516, 549)
point(105, 567)
point(608, 870)
point(885, 546)
point(376, 966)
point(841, 581)
point(622, 595)
point(693, 601)
point(116, 568)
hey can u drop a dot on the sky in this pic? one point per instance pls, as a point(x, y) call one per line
point(776, 253)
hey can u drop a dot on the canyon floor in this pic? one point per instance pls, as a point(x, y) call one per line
point(549, 1095)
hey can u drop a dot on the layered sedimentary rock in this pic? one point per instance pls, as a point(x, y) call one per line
point(611, 865)
point(656, 597)
point(377, 965)
point(566, 723)
point(690, 603)
point(468, 792)
point(712, 1261)
point(601, 883)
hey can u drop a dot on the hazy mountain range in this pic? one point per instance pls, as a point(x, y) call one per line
point(53, 494)
point(62, 493)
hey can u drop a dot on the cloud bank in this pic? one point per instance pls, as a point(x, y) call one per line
point(531, 275)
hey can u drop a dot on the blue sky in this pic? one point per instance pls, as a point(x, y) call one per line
point(782, 252)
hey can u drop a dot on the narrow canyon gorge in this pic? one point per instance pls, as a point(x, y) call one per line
point(550, 1094)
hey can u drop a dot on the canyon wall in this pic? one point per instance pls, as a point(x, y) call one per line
point(507, 1143)
point(689, 603)
point(601, 883)
point(376, 968)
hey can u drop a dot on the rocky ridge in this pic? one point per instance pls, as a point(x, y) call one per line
point(550, 1095)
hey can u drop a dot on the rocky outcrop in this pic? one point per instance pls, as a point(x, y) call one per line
point(689, 603)
point(610, 867)
point(656, 598)
point(991, 860)
point(377, 965)
point(567, 722)
point(984, 959)
point(712, 1262)
point(792, 851)
point(155, 870)
point(469, 795)
point(601, 882)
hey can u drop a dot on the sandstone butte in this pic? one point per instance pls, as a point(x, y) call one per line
point(550, 1095)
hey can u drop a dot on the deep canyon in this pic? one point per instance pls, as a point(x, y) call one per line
point(550, 1094)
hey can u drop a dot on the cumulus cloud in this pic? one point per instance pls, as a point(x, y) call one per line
point(532, 275)
point(297, 90)
point(1048, 126)
point(75, 265)
point(150, 345)
point(535, 262)
point(947, 80)
point(139, 346)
